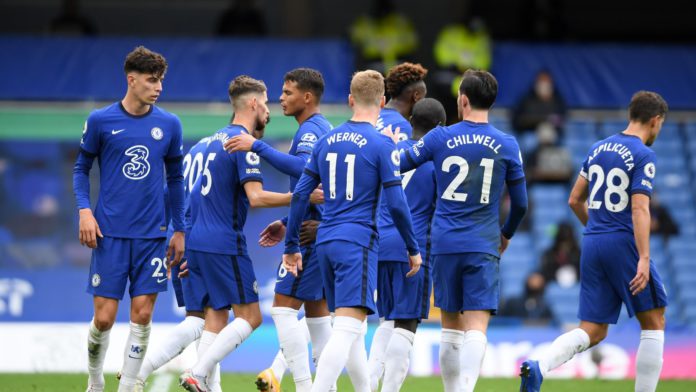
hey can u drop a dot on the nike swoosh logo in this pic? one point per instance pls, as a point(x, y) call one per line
point(161, 280)
point(115, 132)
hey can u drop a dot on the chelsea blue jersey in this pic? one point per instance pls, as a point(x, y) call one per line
point(616, 168)
point(353, 162)
point(310, 131)
point(419, 187)
point(132, 151)
point(473, 161)
point(388, 116)
point(218, 199)
point(193, 167)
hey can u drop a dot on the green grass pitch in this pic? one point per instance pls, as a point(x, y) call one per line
point(244, 382)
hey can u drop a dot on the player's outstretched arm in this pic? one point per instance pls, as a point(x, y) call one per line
point(260, 198)
point(578, 199)
point(518, 208)
point(640, 211)
point(285, 163)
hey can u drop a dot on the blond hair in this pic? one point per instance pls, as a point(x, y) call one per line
point(367, 88)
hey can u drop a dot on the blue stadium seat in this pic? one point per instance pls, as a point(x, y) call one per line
point(611, 127)
point(563, 301)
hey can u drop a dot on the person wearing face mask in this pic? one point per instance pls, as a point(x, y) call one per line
point(531, 305)
point(541, 106)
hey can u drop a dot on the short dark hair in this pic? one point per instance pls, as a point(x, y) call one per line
point(480, 87)
point(427, 114)
point(242, 85)
point(145, 61)
point(307, 79)
point(403, 75)
point(646, 105)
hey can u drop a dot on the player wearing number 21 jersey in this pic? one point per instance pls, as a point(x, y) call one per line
point(473, 163)
point(611, 198)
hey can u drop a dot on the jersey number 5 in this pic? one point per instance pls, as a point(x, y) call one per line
point(451, 194)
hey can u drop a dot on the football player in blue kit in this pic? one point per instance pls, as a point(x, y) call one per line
point(611, 198)
point(220, 271)
point(473, 162)
point(402, 301)
point(405, 86)
point(190, 329)
point(134, 141)
point(301, 97)
point(354, 164)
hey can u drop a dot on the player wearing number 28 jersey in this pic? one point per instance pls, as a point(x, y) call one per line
point(473, 163)
point(611, 198)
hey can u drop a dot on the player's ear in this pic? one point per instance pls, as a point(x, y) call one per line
point(308, 97)
point(351, 100)
point(130, 79)
point(382, 101)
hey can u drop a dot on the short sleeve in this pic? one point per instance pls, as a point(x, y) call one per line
point(306, 138)
point(515, 169)
point(389, 161)
point(91, 138)
point(176, 145)
point(585, 168)
point(644, 175)
point(248, 167)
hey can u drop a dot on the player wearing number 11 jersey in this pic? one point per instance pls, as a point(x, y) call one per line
point(354, 164)
point(611, 198)
point(473, 162)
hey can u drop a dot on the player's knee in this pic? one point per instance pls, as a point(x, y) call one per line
point(409, 325)
point(652, 320)
point(103, 323)
point(597, 336)
point(141, 316)
point(254, 320)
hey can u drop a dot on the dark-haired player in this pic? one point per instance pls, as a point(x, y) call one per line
point(611, 198)
point(135, 141)
point(402, 301)
point(473, 162)
point(220, 271)
point(301, 97)
point(404, 86)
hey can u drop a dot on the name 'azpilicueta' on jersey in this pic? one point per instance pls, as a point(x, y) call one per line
point(618, 148)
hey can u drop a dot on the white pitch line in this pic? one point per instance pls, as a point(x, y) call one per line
point(161, 382)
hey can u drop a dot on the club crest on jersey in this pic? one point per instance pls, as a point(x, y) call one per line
point(649, 170)
point(157, 133)
point(252, 158)
point(256, 287)
point(96, 280)
point(309, 138)
point(396, 158)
